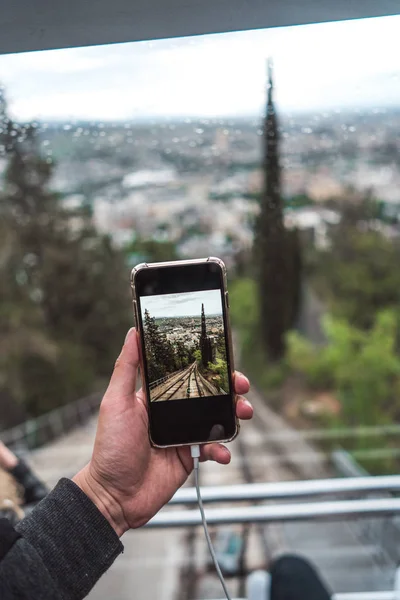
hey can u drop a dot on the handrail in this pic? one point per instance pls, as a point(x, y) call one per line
point(281, 513)
point(384, 595)
point(258, 587)
point(157, 382)
point(384, 534)
point(49, 426)
point(380, 595)
point(288, 489)
point(346, 465)
point(319, 434)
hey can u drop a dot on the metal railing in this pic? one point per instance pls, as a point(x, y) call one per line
point(346, 465)
point(157, 382)
point(289, 490)
point(384, 595)
point(44, 429)
point(258, 587)
point(370, 516)
point(384, 533)
point(309, 511)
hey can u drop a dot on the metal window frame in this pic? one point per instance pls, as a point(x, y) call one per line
point(41, 25)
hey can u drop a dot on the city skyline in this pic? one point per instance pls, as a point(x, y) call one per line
point(187, 304)
point(219, 75)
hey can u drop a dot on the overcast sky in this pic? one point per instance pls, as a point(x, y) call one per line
point(182, 305)
point(331, 65)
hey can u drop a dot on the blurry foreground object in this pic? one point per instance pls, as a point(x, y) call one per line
point(10, 498)
point(34, 490)
point(15, 469)
point(291, 577)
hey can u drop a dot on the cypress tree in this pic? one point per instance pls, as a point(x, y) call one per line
point(277, 251)
point(270, 239)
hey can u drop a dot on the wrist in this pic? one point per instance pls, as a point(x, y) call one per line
point(102, 499)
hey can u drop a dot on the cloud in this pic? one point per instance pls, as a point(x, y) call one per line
point(316, 66)
point(185, 304)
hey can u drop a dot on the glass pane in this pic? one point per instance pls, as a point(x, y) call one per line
point(276, 150)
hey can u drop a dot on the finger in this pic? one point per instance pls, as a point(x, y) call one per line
point(216, 452)
point(123, 379)
point(244, 409)
point(242, 384)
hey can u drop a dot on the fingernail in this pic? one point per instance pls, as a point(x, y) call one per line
point(245, 378)
point(247, 403)
point(241, 374)
point(128, 334)
point(227, 452)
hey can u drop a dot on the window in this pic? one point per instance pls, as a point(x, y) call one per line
point(277, 150)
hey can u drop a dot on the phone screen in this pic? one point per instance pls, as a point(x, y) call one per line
point(183, 323)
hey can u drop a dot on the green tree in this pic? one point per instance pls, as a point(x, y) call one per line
point(220, 372)
point(277, 252)
point(221, 346)
point(153, 343)
point(363, 368)
point(294, 276)
point(183, 354)
point(197, 356)
point(64, 285)
point(359, 275)
point(75, 275)
point(152, 250)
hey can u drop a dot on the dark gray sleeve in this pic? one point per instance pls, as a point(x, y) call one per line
point(66, 546)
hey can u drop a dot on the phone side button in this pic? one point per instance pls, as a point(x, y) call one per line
point(227, 299)
point(135, 312)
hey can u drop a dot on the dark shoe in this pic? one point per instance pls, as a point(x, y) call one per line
point(294, 578)
point(34, 489)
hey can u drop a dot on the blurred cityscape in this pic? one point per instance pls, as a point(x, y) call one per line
point(197, 183)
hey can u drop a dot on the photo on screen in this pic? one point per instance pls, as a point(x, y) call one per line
point(184, 339)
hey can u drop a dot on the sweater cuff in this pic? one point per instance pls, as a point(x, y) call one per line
point(75, 541)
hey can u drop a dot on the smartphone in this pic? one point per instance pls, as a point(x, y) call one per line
point(181, 311)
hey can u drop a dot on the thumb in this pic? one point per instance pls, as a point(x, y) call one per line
point(123, 379)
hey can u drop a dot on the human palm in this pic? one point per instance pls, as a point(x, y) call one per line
point(127, 478)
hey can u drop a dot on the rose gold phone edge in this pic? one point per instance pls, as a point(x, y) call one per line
point(172, 263)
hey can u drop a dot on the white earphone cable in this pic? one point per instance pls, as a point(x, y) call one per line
point(195, 451)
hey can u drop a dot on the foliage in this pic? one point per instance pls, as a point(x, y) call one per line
point(155, 350)
point(277, 251)
point(163, 357)
point(48, 384)
point(64, 299)
point(359, 274)
point(299, 201)
point(220, 369)
point(197, 357)
point(244, 311)
point(152, 250)
point(244, 305)
point(362, 367)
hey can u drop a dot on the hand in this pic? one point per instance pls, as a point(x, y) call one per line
point(127, 479)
